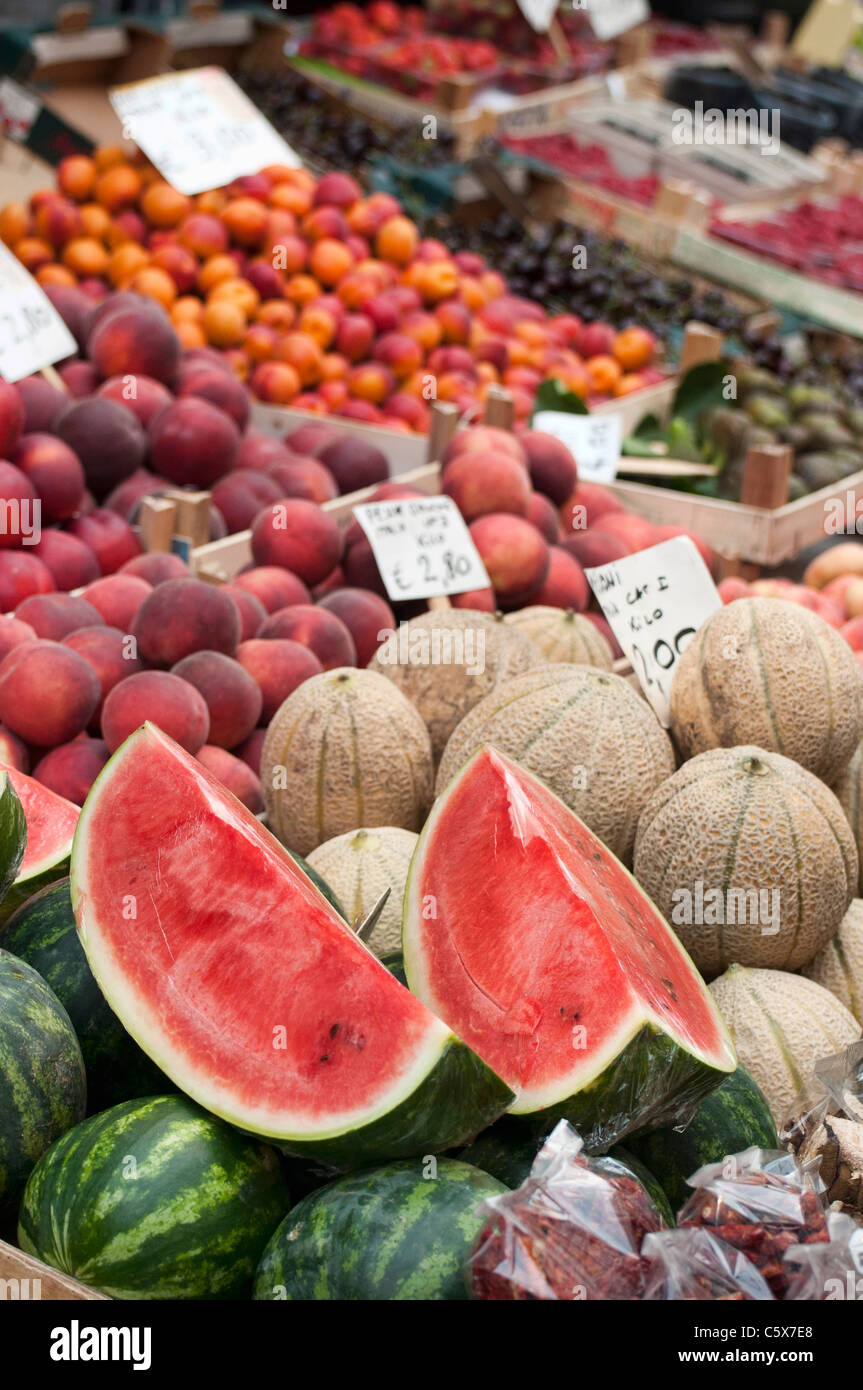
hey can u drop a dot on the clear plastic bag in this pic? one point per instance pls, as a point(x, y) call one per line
point(824, 1273)
point(571, 1232)
point(761, 1202)
point(825, 1127)
point(692, 1264)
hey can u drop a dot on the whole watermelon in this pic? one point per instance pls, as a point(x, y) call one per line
point(43, 933)
point(155, 1199)
point(400, 1232)
point(732, 1118)
point(43, 1090)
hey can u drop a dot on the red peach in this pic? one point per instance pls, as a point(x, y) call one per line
point(595, 547)
point(47, 693)
point(278, 667)
point(365, 615)
point(480, 483)
point(273, 587)
point(117, 598)
point(732, 588)
point(337, 188)
point(515, 555)
point(601, 623)
point(252, 611)
point(183, 616)
point(551, 466)
point(55, 472)
point(354, 463)
point(209, 384)
point(172, 704)
point(109, 535)
point(234, 774)
point(11, 419)
point(129, 341)
point(71, 562)
point(298, 536)
point(241, 496)
point(588, 503)
point(319, 630)
point(251, 749)
point(12, 633)
point(156, 568)
point(21, 575)
point(565, 585)
point(480, 600)
point(192, 441)
point(13, 751)
point(635, 531)
point(80, 380)
point(110, 652)
point(311, 438)
point(481, 439)
point(124, 498)
point(142, 395)
point(304, 477)
point(71, 769)
point(355, 336)
point(233, 698)
point(541, 512)
point(54, 616)
point(107, 439)
point(42, 402)
point(259, 452)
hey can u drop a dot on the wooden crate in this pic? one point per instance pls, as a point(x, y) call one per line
point(26, 1279)
point(757, 535)
point(404, 451)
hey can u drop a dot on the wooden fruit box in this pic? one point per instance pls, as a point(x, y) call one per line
point(404, 451)
point(24, 1279)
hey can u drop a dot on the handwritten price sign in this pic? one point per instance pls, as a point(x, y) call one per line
point(32, 333)
point(594, 440)
point(655, 602)
point(422, 547)
point(199, 129)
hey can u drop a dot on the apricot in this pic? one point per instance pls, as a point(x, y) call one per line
point(33, 252)
point(245, 220)
point(164, 206)
point(166, 700)
point(397, 240)
point(47, 693)
point(204, 235)
point(224, 323)
point(16, 223)
point(302, 353)
point(277, 383)
point(53, 274)
point(118, 187)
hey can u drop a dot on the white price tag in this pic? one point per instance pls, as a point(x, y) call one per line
point(422, 547)
point(539, 13)
point(594, 440)
point(655, 602)
point(199, 129)
point(18, 109)
point(32, 333)
point(609, 18)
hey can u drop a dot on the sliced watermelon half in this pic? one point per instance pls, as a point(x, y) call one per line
point(532, 941)
point(51, 822)
point(236, 976)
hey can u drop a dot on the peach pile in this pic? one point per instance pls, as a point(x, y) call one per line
point(318, 296)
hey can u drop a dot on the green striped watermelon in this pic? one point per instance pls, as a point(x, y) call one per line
point(42, 932)
point(735, 1117)
point(42, 1082)
point(395, 964)
point(532, 941)
point(13, 834)
point(155, 1199)
point(239, 980)
point(389, 1234)
point(51, 821)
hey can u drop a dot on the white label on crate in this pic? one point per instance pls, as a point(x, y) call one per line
point(422, 547)
point(595, 440)
point(539, 13)
point(655, 602)
point(18, 109)
point(32, 333)
point(198, 128)
point(608, 18)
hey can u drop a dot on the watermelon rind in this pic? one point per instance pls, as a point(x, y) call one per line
point(155, 1199)
point(13, 839)
point(732, 1118)
point(440, 1099)
point(401, 1232)
point(645, 1075)
point(43, 1088)
point(53, 864)
point(43, 933)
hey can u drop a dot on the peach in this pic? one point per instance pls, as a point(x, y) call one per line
point(337, 188)
point(852, 631)
point(355, 336)
point(278, 667)
point(13, 751)
point(551, 466)
point(595, 547)
point(565, 585)
point(265, 279)
point(22, 575)
point(542, 514)
point(250, 750)
point(211, 384)
point(273, 587)
point(480, 483)
point(843, 559)
point(109, 535)
point(156, 568)
point(117, 598)
point(107, 439)
point(595, 340)
point(180, 265)
point(124, 498)
point(409, 410)
point(79, 378)
point(233, 698)
point(481, 439)
point(193, 442)
point(54, 615)
point(311, 438)
point(12, 633)
point(204, 235)
point(480, 600)
point(634, 531)
point(588, 503)
point(853, 598)
point(111, 654)
point(836, 589)
point(667, 533)
point(252, 611)
point(47, 693)
point(182, 616)
point(71, 562)
point(290, 254)
point(401, 353)
point(241, 496)
point(11, 419)
point(54, 472)
point(71, 769)
point(42, 403)
point(19, 508)
point(515, 555)
point(166, 700)
point(140, 394)
point(354, 463)
point(259, 452)
point(277, 383)
point(326, 223)
point(360, 567)
point(316, 628)
point(298, 536)
point(732, 588)
point(365, 615)
point(304, 477)
point(234, 774)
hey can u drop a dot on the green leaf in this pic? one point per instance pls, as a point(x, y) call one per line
point(700, 390)
point(553, 395)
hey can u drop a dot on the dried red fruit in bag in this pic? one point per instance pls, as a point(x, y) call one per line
point(694, 1265)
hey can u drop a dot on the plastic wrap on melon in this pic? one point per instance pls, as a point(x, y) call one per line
point(572, 1232)
point(693, 1265)
point(825, 1272)
point(760, 1202)
point(824, 1127)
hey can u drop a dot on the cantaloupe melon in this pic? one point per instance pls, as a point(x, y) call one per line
point(781, 1025)
point(563, 635)
point(849, 789)
point(345, 750)
point(359, 867)
point(749, 857)
point(767, 672)
point(583, 732)
point(839, 965)
point(446, 661)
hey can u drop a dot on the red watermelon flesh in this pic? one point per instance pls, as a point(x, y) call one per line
point(543, 953)
point(51, 822)
point(237, 977)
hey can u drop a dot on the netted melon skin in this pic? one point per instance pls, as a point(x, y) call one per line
point(838, 966)
point(359, 867)
point(563, 636)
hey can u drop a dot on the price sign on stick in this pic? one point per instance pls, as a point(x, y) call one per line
point(32, 333)
point(594, 440)
point(608, 18)
point(422, 547)
point(199, 129)
point(655, 602)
